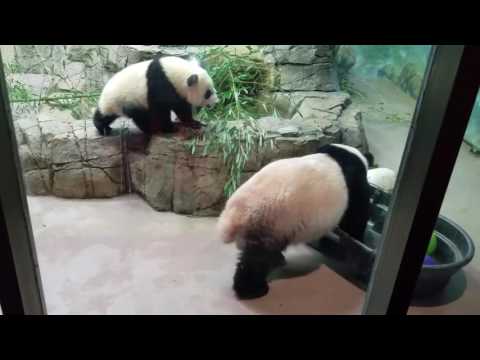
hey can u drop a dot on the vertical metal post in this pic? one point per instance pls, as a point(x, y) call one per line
point(441, 117)
point(20, 283)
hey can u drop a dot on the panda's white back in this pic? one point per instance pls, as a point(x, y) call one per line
point(303, 198)
point(127, 86)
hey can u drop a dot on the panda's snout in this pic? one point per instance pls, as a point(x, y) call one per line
point(214, 101)
point(211, 103)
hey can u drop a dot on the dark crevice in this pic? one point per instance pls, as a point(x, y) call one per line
point(305, 64)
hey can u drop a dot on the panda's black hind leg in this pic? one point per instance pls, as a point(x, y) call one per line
point(102, 122)
point(250, 280)
point(254, 265)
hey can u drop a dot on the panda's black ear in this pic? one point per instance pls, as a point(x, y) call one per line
point(192, 80)
point(370, 159)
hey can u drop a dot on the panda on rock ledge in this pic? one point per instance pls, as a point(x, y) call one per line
point(148, 91)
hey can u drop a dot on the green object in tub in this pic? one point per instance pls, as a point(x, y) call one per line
point(432, 245)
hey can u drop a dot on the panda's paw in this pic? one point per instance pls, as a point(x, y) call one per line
point(106, 131)
point(245, 291)
point(170, 129)
point(194, 124)
point(248, 283)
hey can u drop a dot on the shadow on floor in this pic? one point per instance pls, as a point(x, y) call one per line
point(300, 262)
point(307, 285)
point(452, 292)
point(307, 263)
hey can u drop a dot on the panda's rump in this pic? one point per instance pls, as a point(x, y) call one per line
point(126, 89)
point(312, 205)
point(288, 200)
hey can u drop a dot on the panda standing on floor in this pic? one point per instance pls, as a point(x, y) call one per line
point(148, 91)
point(293, 201)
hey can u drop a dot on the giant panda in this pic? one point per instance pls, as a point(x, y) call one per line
point(293, 201)
point(149, 91)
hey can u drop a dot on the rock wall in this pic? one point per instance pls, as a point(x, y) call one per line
point(304, 67)
point(66, 157)
point(89, 66)
point(409, 79)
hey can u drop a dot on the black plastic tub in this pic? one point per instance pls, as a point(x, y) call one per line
point(455, 249)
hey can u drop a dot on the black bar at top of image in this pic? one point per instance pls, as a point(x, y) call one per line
point(457, 116)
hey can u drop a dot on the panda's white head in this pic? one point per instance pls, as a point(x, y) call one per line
point(200, 90)
point(382, 178)
point(191, 81)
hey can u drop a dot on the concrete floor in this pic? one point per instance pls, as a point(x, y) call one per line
point(118, 256)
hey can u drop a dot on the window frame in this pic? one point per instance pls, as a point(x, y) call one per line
point(448, 94)
point(21, 291)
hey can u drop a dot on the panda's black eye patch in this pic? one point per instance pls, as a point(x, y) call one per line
point(208, 93)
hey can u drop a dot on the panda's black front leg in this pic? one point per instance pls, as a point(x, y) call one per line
point(184, 113)
point(102, 122)
point(161, 121)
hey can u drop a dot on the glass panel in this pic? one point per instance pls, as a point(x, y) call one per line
point(472, 136)
point(450, 279)
point(125, 224)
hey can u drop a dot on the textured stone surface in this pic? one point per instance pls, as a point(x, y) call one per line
point(388, 71)
point(309, 104)
point(300, 67)
point(199, 183)
point(66, 157)
point(304, 67)
point(79, 67)
point(409, 79)
point(170, 178)
point(301, 54)
point(35, 58)
point(35, 82)
point(345, 58)
point(152, 169)
point(38, 182)
point(321, 77)
point(352, 129)
point(319, 104)
point(124, 55)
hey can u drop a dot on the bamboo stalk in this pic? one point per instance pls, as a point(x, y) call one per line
point(44, 99)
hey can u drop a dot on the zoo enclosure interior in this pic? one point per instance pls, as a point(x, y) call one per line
point(56, 177)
